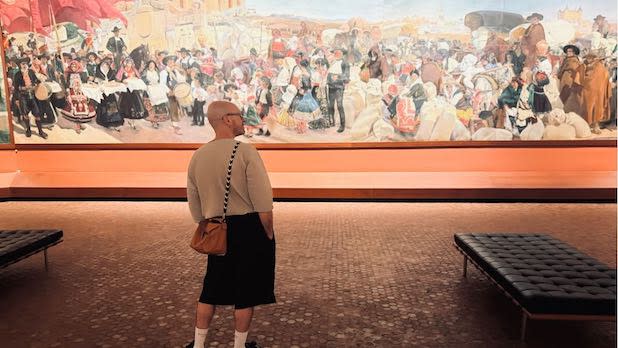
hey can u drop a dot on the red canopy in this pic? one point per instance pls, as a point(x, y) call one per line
point(15, 15)
point(33, 15)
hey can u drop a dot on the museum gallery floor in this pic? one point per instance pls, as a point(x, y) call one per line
point(348, 275)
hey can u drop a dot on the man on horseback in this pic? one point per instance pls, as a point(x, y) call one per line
point(533, 34)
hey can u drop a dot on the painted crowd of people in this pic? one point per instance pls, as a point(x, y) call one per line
point(304, 84)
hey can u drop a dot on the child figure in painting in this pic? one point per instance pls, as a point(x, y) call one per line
point(251, 120)
point(199, 99)
point(264, 103)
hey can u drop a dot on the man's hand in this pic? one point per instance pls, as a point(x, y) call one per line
point(267, 221)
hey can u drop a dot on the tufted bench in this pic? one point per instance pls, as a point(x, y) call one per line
point(16, 245)
point(547, 278)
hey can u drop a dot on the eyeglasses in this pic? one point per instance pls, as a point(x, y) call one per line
point(233, 114)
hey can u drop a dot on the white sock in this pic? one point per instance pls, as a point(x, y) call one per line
point(240, 338)
point(200, 337)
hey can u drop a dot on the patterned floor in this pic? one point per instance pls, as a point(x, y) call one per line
point(348, 275)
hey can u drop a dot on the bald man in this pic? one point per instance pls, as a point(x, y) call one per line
point(245, 275)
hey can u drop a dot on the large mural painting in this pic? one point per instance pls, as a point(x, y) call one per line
point(322, 71)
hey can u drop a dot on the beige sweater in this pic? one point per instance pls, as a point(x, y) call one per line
point(250, 187)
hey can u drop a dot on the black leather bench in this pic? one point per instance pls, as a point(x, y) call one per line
point(547, 278)
point(16, 245)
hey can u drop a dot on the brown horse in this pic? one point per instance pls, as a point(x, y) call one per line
point(432, 72)
point(140, 56)
point(498, 46)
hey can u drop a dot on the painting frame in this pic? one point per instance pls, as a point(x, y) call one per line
point(5, 86)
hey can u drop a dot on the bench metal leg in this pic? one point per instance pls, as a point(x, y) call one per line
point(524, 322)
point(465, 266)
point(45, 253)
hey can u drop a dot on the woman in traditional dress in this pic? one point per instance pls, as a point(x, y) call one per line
point(131, 102)
point(108, 114)
point(79, 109)
point(156, 101)
point(307, 108)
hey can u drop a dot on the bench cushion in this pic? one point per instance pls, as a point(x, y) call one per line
point(15, 244)
point(545, 275)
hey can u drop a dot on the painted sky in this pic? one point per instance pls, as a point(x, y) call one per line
point(375, 10)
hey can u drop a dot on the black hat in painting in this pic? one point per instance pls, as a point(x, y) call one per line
point(573, 47)
point(168, 58)
point(535, 15)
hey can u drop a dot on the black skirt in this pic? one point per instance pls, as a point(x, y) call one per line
point(540, 103)
point(108, 114)
point(131, 105)
point(245, 276)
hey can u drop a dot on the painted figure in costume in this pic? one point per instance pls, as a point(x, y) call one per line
point(24, 82)
point(416, 90)
point(116, 45)
point(88, 43)
point(199, 99)
point(507, 101)
point(131, 102)
point(597, 91)
point(533, 34)
point(264, 102)
point(570, 80)
point(108, 112)
point(156, 101)
point(375, 64)
point(307, 108)
point(538, 101)
point(250, 117)
point(278, 46)
point(31, 44)
point(91, 66)
point(337, 79)
point(170, 77)
point(79, 109)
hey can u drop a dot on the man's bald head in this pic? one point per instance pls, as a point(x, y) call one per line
point(218, 109)
point(226, 119)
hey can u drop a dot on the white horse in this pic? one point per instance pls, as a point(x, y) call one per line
point(485, 92)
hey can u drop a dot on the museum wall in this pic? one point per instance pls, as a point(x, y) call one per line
point(360, 160)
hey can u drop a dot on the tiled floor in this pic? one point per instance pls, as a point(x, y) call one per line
point(348, 275)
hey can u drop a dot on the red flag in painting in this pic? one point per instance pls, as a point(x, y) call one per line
point(109, 11)
point(17, 15)
point(58, 4)
point(37, 21)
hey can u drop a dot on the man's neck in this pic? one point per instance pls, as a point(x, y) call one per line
point(223, 134)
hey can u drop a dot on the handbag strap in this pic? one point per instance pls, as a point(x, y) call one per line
point(228, 179)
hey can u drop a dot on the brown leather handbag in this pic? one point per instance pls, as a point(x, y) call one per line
point(210, 236)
